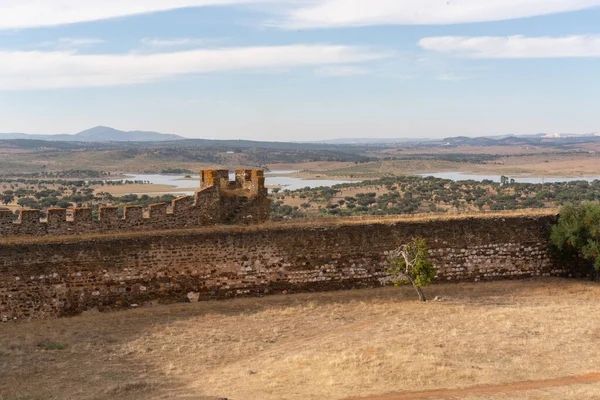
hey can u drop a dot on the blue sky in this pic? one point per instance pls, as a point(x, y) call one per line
point(301, 69)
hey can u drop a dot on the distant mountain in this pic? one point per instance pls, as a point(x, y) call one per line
point(106, 134)
point(487, 141)
point(370, 140)
point(469, 141)
point(26, 136)
point(498, 140)
point(522, 140)
point(99, 134)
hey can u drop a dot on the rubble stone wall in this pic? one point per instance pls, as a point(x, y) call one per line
point(42, 278)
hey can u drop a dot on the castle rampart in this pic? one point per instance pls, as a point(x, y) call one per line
point(218, 201)
point(50, 276)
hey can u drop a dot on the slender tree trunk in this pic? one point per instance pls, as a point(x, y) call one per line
point(409, 265)
point(417, 288)
point(421, 294)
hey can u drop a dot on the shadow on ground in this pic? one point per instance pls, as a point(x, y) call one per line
point(133, 354)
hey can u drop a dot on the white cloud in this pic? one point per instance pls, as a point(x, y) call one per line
point(515, 46)
point(341, 71)
point(153, 42)
point(61, 69)
point(79, 42)
point(16, 14)
point(70, 43)
point(339, 13)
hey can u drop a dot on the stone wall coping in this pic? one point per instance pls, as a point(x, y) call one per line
point(304, 224)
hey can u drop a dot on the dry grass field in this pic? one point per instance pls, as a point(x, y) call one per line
point(351, 344)
point(120, 190)
point(106, 160)
point(561, 165)
point(512, 160)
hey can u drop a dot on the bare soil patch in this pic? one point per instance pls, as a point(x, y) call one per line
point(593, 377)
point(119, 190)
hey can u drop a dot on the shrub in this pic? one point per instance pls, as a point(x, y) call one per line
point(578, 231)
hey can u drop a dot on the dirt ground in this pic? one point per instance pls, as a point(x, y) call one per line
point(553, 166)
point(517, 390)
point(348, 344)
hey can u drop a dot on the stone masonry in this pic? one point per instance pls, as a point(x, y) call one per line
point(52, 276)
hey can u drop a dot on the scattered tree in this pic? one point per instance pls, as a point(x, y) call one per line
point(28, 202)
point(410, 262)
point(7, 198)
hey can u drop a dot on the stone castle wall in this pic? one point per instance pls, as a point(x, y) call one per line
point(48, 277)
point(217, 201)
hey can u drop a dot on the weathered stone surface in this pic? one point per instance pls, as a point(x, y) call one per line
point(71, 274)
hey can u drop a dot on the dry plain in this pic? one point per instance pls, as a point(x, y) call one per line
point(338, 345)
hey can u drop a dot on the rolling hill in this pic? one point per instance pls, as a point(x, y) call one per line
point(99, 134)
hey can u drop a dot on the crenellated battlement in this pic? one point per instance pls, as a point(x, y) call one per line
point(218, 201)
point(248, 182)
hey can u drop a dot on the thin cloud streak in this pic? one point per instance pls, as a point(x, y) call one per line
point(349, 13)
point(19, 14)
point(293, 14)
point(178, 42)
point(70, 43)
point(515, 46)
point(50, 70)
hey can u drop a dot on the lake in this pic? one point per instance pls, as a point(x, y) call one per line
point(282, 178)
point(272, 178)
point(459, 176)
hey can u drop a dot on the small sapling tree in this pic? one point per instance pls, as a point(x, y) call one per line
point(578, 231)
point(410, 262)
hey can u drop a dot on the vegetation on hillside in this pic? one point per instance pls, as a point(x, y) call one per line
point(34, 157)
point(64, 193)
point(386, 196)
point(68, 174)
point(415, 194)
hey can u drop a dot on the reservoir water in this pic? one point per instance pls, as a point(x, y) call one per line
point(459, 176)
point(274, 178)
point(186, 186)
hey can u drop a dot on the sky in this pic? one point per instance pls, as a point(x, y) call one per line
point(286, 70)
